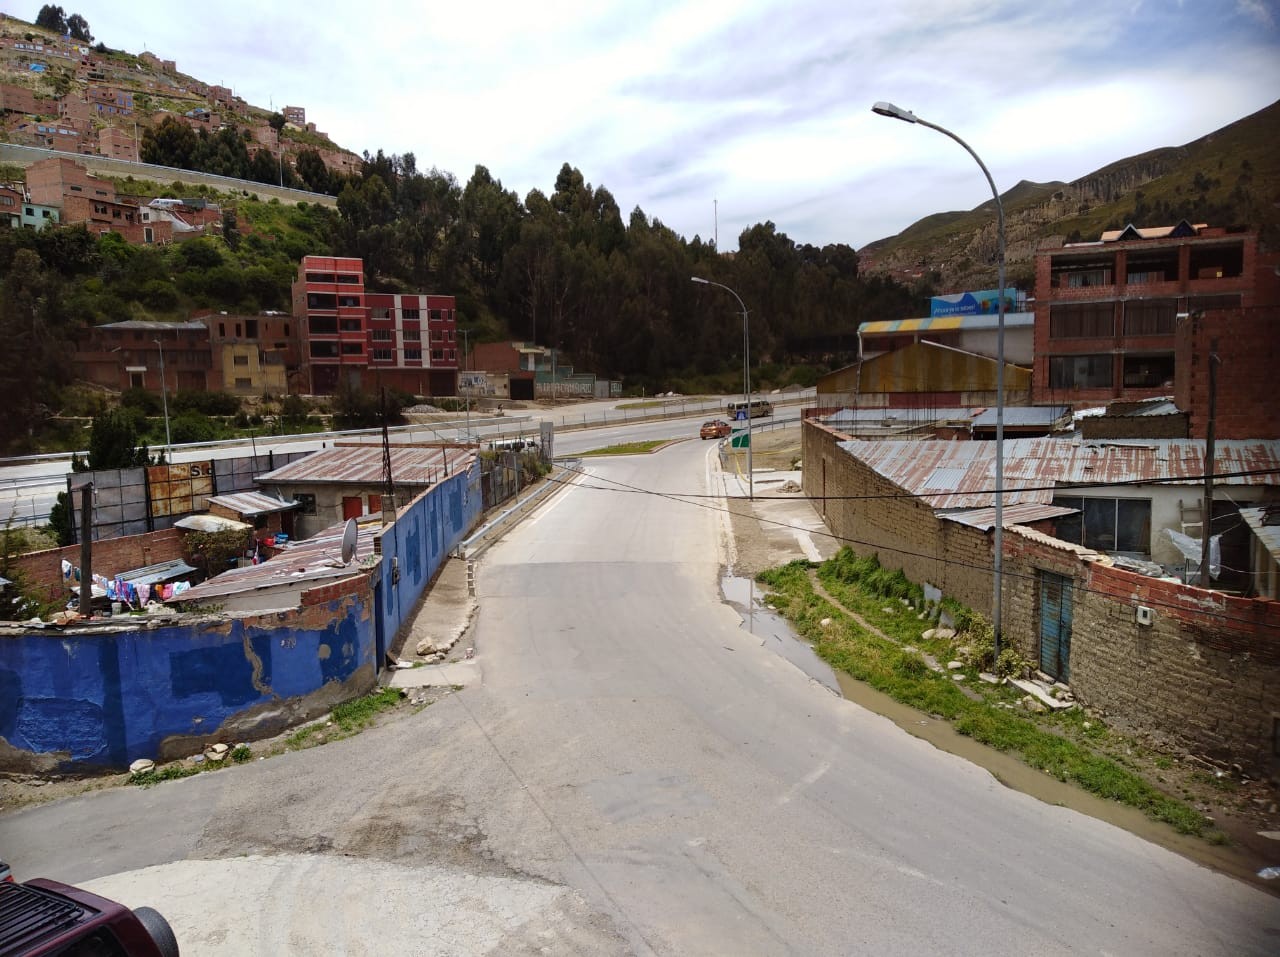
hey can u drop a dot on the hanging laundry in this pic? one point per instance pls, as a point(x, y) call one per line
point(66, 570)
point(144, 594)
point(180, 587)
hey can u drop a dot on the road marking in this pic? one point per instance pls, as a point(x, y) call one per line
point(805, 782)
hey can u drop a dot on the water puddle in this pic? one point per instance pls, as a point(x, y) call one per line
point(777, 634)
point(775, 631)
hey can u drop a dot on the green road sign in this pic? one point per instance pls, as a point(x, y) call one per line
point(740, 440)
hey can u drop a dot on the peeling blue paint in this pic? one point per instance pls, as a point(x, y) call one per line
point(422, 538)
point(108, 699)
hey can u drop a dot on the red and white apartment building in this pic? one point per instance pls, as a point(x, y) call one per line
point(369, 340)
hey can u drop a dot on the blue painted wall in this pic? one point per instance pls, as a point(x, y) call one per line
point(110, 699)
point(423, 536)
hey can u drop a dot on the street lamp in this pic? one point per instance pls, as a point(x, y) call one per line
point(898, 113)
point(164, 398)
point(746, 376)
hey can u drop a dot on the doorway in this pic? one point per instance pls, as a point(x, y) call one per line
point(1055, 626)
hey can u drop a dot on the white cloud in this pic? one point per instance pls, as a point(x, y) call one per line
point(762, 104)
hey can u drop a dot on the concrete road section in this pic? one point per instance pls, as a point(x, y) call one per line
point(632, 771)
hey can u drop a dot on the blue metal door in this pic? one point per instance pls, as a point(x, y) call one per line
point(1055, 626)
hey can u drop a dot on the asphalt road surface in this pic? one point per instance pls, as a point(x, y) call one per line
point(637, 773)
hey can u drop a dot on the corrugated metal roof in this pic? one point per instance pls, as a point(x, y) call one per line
point(252, 503)
point(1269, 535)
point(162, 572)
point(362, 465)
point(190, 325)
point(306, 562)
point(891, 417)
point(889, 327)
point(1039, 462)
point(985, 518)
point(1041, 416)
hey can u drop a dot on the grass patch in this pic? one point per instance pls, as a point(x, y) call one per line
point(345, 720)
point(1061, 749)
point(628, 448)
point(185, 769)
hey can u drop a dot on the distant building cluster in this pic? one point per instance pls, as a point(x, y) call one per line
point(110, 104)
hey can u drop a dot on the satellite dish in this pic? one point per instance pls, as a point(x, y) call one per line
point(349, 535)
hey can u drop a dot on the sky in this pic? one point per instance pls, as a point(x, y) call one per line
point(714, 115)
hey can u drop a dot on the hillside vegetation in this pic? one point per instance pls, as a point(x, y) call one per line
point(1229, 177)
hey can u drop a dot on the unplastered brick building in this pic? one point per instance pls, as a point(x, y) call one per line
point(371, 340)
point(1107, 312)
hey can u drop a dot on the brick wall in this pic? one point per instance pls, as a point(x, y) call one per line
point(902, 531)
point(1248, 345)
point(1204, 677)
point(1172, 426)
point(43, 570)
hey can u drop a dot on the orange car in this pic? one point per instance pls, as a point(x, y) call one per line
point(715, 429)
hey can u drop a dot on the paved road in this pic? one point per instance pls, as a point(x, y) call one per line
point(29, 489)
point(636, 774)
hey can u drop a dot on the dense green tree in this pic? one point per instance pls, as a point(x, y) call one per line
point(78, 27)
point(52, 18)
point(311, 169)
point(170, 143)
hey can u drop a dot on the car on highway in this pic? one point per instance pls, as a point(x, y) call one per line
point(715, 429)
point(48, 917)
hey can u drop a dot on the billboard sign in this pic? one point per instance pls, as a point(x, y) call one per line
point(982, 303)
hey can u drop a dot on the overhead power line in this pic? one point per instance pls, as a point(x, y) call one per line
point(700, 500)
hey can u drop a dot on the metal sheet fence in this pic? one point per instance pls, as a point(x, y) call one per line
point(147, 499)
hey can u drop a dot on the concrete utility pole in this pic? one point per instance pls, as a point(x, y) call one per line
point(1206, 519)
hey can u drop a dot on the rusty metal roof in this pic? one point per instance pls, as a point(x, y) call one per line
point(985, 518)
point(252, 503)
point(419, 465)
point(1268, 534)
point(307, 562)
point(962, 474)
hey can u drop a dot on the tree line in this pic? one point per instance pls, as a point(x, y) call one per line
point(564, 269)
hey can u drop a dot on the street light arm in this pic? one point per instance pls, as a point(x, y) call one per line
point(720, 285)
point(995, 193)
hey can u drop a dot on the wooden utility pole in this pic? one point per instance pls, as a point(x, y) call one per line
point(86, 549)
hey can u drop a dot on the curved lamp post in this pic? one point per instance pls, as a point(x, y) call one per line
point(746, 375)
point(898, 113)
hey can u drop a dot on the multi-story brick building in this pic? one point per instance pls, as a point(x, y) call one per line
point(10, 207)
point(367, 340)
point(126, 355)
point(19, 99)
point(297, 115)
point(93, 202)
point(413, 342)
point(109, 100)
point(52, 135)
point(1106, 313)
point(74, 108)
point(117, 144)
point(329, 306)
point(252, 355)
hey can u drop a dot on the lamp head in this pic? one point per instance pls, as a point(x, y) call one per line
point(896, 112)
point(705, 282)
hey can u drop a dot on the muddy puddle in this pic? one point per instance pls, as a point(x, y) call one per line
point(776, 632)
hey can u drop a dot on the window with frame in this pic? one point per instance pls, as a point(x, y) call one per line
point(324, 350)
point(379, 312)
point(413, 353)
point(349, 301)
point(1080, 372)
point(1082, 320)
point(1150, 317)
point(383, 355)
point(1106, 524)
point(240, 360)
point(382, 335)
point(350, 325)
point(437, 355)
point(411, 313)
point(323, 325)
point(412, 335)
point(1148, 372)
point(353, 348)
point(306, 503)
